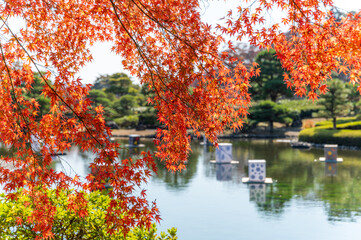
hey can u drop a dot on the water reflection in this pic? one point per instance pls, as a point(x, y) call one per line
point(257, 193)
point(300, 177)
point(224, 172)
point(297, 176)
point(209, 153)
point(298, 180)
point(330, 169)
point(75, 162)
point(179, 180)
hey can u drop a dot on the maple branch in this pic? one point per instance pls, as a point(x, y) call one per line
point(151, 17)
point(144, 57)
point(299, 9)
point(63, 167)
point(6, 19)
point(249, 6)
point(13, 93)
point(101, 145)
point(303, 14)
point(28, 131)
point(148, 61)
point(154, 19)
point(52, 89)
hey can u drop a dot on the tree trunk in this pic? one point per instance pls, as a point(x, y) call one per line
point(273, 98)
point(334, 122)
point(271, 126)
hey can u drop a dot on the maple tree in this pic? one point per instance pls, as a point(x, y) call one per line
point(316, 44)
point(165, 44)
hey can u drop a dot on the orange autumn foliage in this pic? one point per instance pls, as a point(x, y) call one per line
point(315, 44)
point(167, 46)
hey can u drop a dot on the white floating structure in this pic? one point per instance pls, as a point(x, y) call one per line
point(257, 172)
point(330, 152)
point(134, 141)
point(224, 154)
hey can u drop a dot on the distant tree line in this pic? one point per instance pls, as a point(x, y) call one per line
point(126, 106)
point(124, 102)
point(274, 102)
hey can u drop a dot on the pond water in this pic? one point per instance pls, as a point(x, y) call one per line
point(307, 200)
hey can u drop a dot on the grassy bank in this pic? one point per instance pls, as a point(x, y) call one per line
point(348, 133)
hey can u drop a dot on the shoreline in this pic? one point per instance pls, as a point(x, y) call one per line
point(291, 134)
point(259, 134)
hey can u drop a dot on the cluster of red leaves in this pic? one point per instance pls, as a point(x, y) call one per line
point(315, 45)
point(165, 44)
point(58, 34)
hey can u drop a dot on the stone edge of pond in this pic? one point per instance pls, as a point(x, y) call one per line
point(258, 136)
point(126, 136)
point(341, 147)
point(253, 136)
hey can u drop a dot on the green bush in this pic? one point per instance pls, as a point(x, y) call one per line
point(130, 121)
point(150, 120)
point(351, 125)
point(320, 135)
point(268, 111)
point(303, 107)
point(287, 121)
point(300, 104)
point(338, 121)
point(67, 224)
point(358, 117)
point(347, 133)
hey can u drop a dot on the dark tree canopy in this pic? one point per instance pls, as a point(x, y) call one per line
point(117, 83)
point(269, 84)
point(271, 112)
point(335, 101)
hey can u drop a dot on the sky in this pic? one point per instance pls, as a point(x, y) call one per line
point(106, 62)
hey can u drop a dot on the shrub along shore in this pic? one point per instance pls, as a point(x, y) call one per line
point(347, 133)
